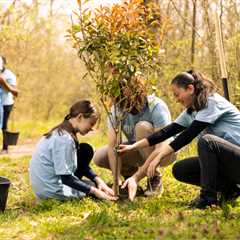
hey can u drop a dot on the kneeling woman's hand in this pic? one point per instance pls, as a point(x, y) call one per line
point(101, 194)
point(131, 183)
point(125, 148)
point(153, 166)
point(101, 185)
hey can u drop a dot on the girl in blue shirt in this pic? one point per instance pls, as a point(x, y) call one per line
point(216, 122)
point(59, 161)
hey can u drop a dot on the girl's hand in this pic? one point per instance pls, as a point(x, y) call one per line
point(104, 187)
point(131, 183)
point(124, 148)
point(102, 195)
point(153, 166)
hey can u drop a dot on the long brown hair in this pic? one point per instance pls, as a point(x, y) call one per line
point(83, 106)
point(3, 59)
point(203, 87)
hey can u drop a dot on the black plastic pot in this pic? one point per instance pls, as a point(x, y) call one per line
point(11, 138)
point(4, 186)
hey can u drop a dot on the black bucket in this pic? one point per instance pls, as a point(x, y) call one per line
point(11, 138)
point(4, 186)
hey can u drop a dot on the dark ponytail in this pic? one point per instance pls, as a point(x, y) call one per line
point(83, 106)
point(203, 87)
point(4, 59)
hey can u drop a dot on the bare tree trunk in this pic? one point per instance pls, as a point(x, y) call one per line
point(185, 15)
point(234, 31)
point(223, 68)
point(35, 4)
point(193, 32)
point(237, 13)
point(51, 8)
point(221, 14)
point(118, 159)
point(210, 41)
point(233, 26)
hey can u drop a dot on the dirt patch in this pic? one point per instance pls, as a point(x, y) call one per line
point(25, 148)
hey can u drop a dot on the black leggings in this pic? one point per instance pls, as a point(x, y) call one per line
point(216, 169)
point(84, 156)
point(6, 113)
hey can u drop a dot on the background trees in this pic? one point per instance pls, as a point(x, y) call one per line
point(50, 74)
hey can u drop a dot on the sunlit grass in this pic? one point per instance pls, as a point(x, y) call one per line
point(166, 217)
point(33, 129)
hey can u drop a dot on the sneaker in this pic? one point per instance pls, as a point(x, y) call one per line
point(230, 196)
point(202, 203)
point(154, 186)
point(3, 152)
point(123, 193)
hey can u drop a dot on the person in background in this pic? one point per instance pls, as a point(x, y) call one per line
point(216, 122)
point(143, 115)
point(60, 161)
point(8, 91)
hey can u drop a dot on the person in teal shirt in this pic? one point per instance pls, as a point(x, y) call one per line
point(59, 161)
point(8, 85)
point(216, 123)
point(145, 115)
point(1, 91)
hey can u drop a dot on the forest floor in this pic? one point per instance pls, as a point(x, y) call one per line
point(159, 217)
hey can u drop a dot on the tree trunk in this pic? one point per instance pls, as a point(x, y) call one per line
point(193, 32)
point(185, 15)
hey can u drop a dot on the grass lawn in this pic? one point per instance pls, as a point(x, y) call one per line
point(165, 217)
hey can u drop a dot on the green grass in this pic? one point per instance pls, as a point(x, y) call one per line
point(35, 129)
point(165, 217)
point(32, 129)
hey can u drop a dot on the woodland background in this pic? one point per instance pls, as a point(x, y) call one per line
point(33, 38)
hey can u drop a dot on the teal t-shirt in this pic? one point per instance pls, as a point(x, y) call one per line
point(53, 157)
point(155, 112)
point(10, 78)
point(223, 116)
